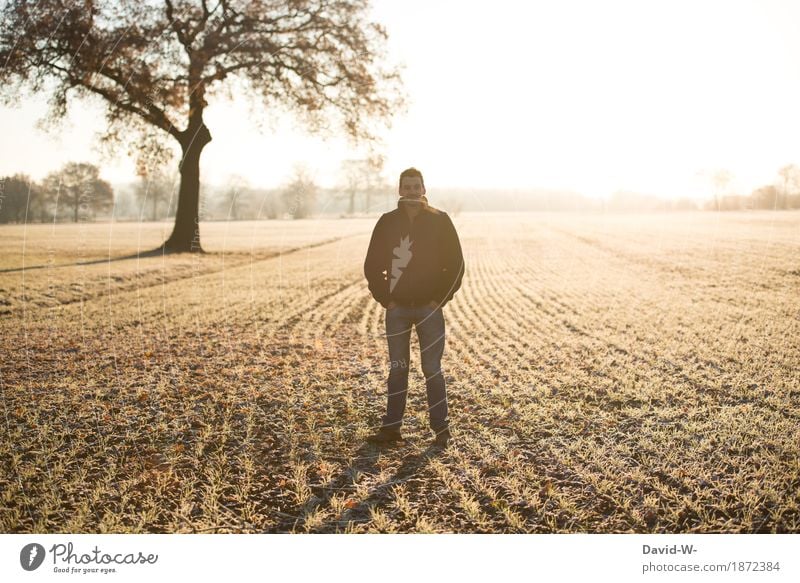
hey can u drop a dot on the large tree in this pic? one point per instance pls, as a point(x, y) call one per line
point(156, 63)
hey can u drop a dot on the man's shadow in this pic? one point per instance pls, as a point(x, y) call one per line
point(365, 462)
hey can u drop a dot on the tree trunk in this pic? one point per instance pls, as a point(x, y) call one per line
point(185, 235)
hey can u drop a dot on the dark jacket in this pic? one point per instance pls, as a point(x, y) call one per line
point(414, 262)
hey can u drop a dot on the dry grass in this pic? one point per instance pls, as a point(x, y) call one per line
point(606, 374)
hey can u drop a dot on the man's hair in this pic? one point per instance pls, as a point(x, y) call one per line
point(411, 172)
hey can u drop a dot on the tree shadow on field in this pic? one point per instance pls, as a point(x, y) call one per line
point(365, 462)
point(138, 255)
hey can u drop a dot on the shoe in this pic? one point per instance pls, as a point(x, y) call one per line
point(385, 435)
point(443, 437)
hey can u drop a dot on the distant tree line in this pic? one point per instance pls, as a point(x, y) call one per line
point(360, 192)
point(783, 194)
point(72, 194)
point(77, 193)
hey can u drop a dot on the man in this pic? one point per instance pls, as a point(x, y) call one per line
point(414, 266)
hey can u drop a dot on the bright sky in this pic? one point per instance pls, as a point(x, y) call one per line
point(584, 95)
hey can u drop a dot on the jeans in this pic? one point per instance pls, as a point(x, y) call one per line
point(429, 323)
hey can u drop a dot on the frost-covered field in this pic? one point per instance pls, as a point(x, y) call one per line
point(605, 374)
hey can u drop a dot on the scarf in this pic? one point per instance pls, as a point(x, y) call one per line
point(413, 201)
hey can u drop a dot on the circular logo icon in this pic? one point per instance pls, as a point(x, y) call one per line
point(31, 556)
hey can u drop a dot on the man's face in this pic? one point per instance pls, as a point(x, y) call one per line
point(411, 187)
